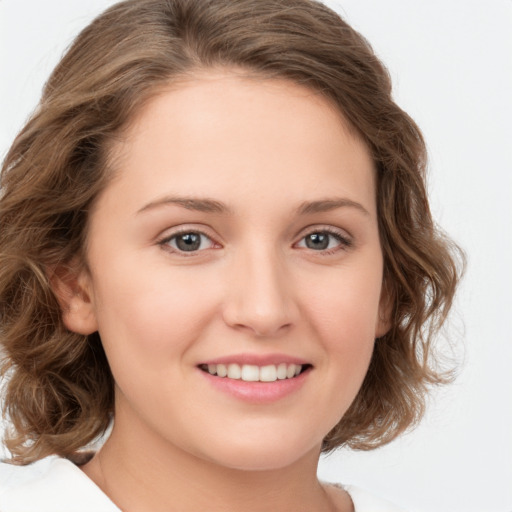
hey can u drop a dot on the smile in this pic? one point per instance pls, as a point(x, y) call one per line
point(254, 373)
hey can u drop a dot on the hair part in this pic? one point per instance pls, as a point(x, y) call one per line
point(60, 392)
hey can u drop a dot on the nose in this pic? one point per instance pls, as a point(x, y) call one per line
point(259, 297)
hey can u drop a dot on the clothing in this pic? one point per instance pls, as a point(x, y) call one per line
point(55, 484)
point(52, 484)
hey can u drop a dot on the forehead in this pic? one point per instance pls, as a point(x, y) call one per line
point(223, 133)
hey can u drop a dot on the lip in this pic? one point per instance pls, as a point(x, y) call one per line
point(257, 392)
point(256, 359)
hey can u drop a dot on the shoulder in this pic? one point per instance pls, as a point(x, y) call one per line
point(52, 484)
point(366, 502)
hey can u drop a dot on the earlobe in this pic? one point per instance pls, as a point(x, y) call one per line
point(383, 326)
point(384, 320)
point(72, 288)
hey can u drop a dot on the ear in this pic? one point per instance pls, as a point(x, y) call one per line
point(386, 303)
point(72, 287)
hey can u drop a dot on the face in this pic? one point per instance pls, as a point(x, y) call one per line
point(238, 236)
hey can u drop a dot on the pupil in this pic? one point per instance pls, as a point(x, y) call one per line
point(188, 242)
point(317, 241)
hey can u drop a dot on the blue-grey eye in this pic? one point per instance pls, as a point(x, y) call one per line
point(323, 240)
point(318, 241)
point(189, 241)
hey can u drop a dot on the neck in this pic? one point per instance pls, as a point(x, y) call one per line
point(156, 476)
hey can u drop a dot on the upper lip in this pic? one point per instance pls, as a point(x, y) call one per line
point(256, 359)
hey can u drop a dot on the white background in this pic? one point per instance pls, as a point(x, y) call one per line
point(451, 61)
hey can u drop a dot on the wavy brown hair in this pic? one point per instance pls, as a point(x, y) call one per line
point(59, 393)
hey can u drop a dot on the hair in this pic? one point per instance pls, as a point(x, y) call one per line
point(58, 392)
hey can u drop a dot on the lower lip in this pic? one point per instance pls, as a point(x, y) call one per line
point(257, 392)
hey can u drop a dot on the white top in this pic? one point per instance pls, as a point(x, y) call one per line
point(55, 484)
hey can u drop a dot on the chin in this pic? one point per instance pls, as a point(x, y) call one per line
point(267, 455)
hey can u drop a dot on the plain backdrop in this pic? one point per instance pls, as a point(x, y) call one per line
point(451, 62)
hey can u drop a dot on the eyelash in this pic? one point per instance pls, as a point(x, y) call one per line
point(164, 243)
point(344, 241)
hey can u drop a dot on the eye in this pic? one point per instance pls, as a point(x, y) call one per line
point(326, 240)
point(188, 241)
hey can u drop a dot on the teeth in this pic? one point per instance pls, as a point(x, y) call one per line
point(222, 370)
point(250, 373)
point(234, 371)
point(253, 373)
point(268, 373)
point(282, 370)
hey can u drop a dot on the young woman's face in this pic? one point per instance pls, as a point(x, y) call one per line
point(239, 235)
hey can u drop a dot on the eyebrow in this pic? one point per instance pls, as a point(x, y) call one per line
point(212, 206)
point(190, 203)
point(326, 205)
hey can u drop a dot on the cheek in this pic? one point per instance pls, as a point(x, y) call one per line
point(149, 325)
point(151, 314)
point(346, 307)
point(344, 318)
point(347, 331)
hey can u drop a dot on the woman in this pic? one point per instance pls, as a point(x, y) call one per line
point(215, 237)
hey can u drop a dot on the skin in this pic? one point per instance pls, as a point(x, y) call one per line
point(263, 148)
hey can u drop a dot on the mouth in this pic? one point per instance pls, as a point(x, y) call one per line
point(254, 373)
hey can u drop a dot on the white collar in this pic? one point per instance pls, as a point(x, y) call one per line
point(55, 484)
point(52, 484)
